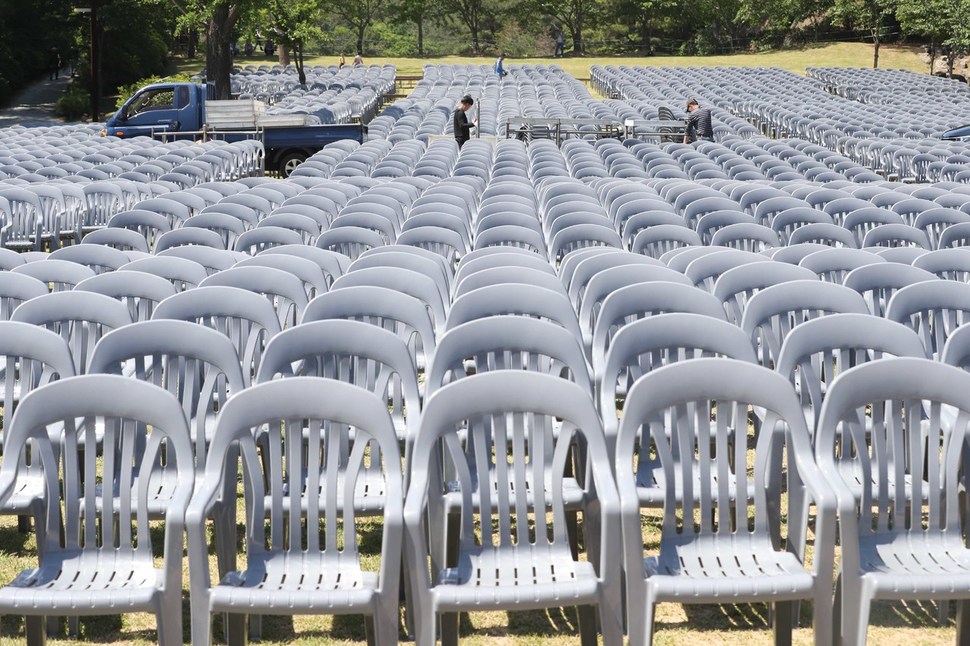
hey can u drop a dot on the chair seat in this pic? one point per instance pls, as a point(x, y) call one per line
point(520, 577)
point(287, 583)
point(915, 565)
point(84, 582)
point(744, 566)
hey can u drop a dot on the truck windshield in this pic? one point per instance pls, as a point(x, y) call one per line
point(156, 99)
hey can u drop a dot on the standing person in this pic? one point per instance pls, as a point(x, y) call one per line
point(500, 66)
point(341, 62)
point(54, 63)
point(698, 123)
point(461, 125)
point(358, 59)
point(560, 43)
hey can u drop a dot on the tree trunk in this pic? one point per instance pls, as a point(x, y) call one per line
point(283, 54)
point(218, 60)
point(932, 53)
point(578, 41)
point(193, 43)
point(360, 37)
point(420, 23)
point(876, 38)
point(298, 58)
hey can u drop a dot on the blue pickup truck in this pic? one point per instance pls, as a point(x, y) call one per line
point(167, 109)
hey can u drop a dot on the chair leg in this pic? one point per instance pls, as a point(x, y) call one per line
point(855, 624)
point(836, 615)
point(783, 623)
point(169, 622)
point(236, 630)
point(963, 622)
point(34, 631)
point(587, 625)
point(449, 629)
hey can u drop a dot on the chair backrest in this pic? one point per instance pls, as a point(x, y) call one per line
point(695, 415)
point(248, 319)
point(409, 282)
point(80, 318)
point(31, 357)
point(507, 343)
point(508, 418)
point(182, 273)
point(102, 504)
point(139, 291)
point(878, 282)
point(892, 433)
point(304, 426)
point(198, 365)
point(772, 313)
point(353, 352)
point(651, 343)
point(285, 292)
point(404, 315)
point(933, 309)
point(640, 300)
point(519, 299)
point(59, 274)
point(15, 289)
point(816, 351)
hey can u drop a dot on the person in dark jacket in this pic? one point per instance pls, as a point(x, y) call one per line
point(698, 123)
point(462, 126)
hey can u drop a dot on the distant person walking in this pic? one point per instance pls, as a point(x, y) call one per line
point(341, 62)
point(462, 127)
point(560, 43)
point(500, 66)
point(358, 59)
point(698, 123)
point(54, 63)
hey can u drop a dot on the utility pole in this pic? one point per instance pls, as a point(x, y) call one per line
point(95, 63)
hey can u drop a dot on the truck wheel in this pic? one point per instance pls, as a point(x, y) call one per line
point(289, 162)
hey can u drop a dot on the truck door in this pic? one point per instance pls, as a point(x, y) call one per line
point(157, 109)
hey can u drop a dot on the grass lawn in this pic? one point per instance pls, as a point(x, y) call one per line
point(891, 623)
point(796, 60)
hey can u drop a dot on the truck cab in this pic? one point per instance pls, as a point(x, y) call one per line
point(160, 107)
point(166, 109)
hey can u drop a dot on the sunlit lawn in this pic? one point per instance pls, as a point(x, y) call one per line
point(796, 60)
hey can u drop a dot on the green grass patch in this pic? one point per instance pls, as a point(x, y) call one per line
point(795, 60)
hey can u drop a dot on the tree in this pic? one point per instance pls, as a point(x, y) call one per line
point(359, 14)
point(472, 13)
point(293, 23)
point(25, 41)
point(419, 12)
point(642, 17)
point(942, 21)
point(574, 16)
point(865, 14)
point(221, 18)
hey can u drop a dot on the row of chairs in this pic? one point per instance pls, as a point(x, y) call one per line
point(451, 401)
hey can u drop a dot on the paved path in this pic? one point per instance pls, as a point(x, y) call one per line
point(34, 105)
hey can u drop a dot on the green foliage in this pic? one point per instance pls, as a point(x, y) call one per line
point(125, 91)
point(28, 31)
point(74, 103)
point(518, 41)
